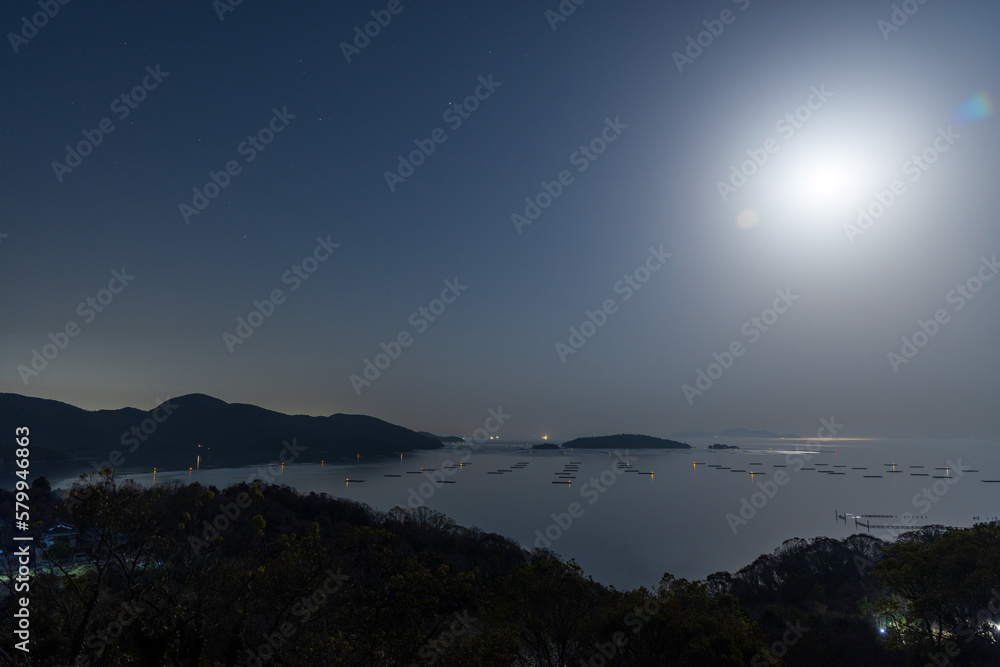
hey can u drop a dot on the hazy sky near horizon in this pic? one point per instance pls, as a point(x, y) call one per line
point(639, 217)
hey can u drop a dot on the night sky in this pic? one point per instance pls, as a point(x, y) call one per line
point(508, 172)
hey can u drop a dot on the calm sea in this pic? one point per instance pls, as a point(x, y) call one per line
point(629, 518)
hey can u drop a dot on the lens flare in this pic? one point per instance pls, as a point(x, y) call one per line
point(747, 218)
point(976, 108)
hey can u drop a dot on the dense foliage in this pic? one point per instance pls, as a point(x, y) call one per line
point(263, 575)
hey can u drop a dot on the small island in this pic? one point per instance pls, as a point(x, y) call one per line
point(624, 441)
point(719, 445)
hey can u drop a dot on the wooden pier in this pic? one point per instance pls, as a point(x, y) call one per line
point(858, 522)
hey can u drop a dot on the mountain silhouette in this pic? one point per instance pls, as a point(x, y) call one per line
point(624, 441)
point(167, 437)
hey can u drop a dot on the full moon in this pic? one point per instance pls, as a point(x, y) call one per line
point(823, 182)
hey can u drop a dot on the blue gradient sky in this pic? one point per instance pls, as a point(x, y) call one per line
point(656, 185)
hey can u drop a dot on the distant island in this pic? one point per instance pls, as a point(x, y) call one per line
point(193, 431)
point(719, 445)
point(629, 441)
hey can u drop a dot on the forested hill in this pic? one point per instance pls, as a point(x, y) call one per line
point(625, 441)
point(168, 436)
point(258, 574)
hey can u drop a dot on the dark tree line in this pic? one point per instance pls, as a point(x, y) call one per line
point(263, 575)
